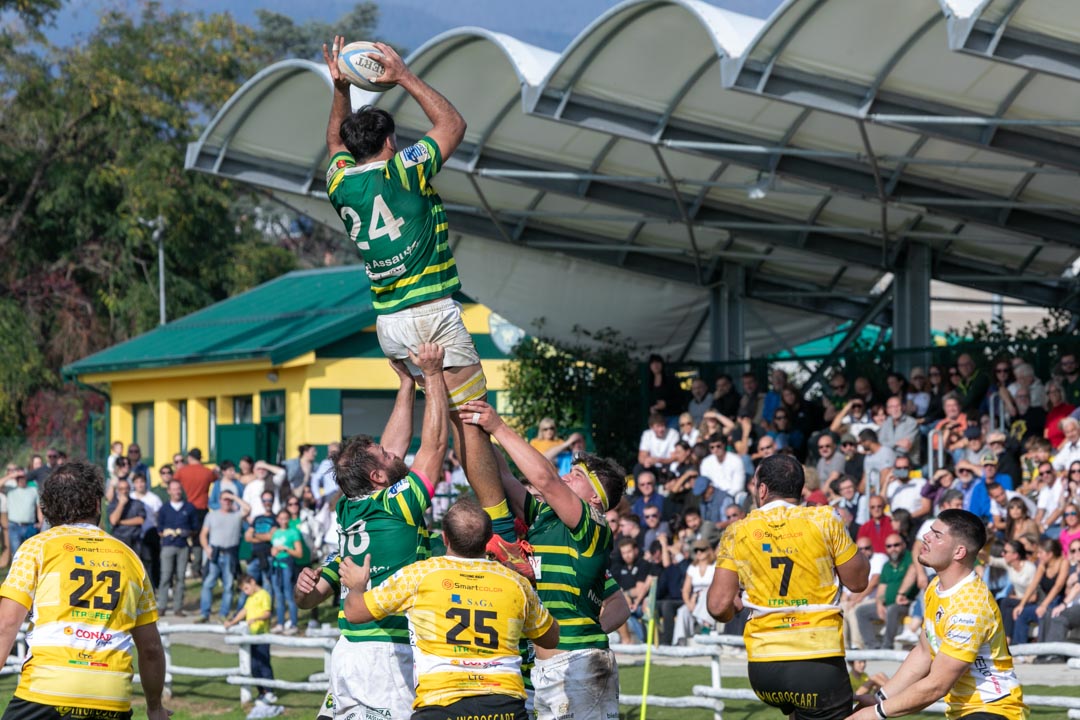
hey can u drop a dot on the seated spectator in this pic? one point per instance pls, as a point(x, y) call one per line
point(774, 398)
point(976, 498)
point(854, 460)
point(669, 593)
point(785, 434)
point(646, 496)
point(931, 493)
point(1018, 524)
point(830, 465)
point(713, 501)
point(1068, 451)
point(1005, 449)
point(901, 489)
point(688, 432)
point(849, 601)
point(861, 682)
point(752, 402)
point(1021, 574)
point(700, 401)
point(682, 473)
point(699, 575)
point(694, 528)
point(853, 418)
point(546, 436)
point(878, 526)
point(635, 576)
point(725, 399)
point(917, 397)
point(836, 400)
point(656, 445)
point(1026, 418)
point(990, 472)
point(1057, 410)
point(1066, 615)
point(1025, 380)
point(972, 448)
point(630, 526)
point(806, 418)
point(723, 469)
point(954, 422)
point(852, 505)
point(864, 389)
point(939, 385)
point(899, 431)
point(561, 455)
point(655, 528)
point(971, 383)
point(1049, 505)
point(1044, 592)
point(896, 589)
point(1070, 381)
point(126, 516)
point(1070, 528)
point(878, 457)
point(999, 503)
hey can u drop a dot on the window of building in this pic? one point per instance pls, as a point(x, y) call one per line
point(243, 409)
point(142, 431)
point(366, 413)
point(211, 442)
point(183, 427)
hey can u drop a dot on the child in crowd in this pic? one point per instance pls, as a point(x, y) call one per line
point(256, 612)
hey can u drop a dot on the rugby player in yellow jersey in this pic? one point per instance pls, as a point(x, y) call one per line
point(468, 615)
point(89, 601)
point(789, 560)
point(962, 654)
point(384, 196)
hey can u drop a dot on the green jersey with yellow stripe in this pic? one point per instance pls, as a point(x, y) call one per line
point(398, 223)
point(571, 568)
point(389, 526)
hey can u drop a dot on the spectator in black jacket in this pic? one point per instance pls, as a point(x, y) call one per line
point(177, 522)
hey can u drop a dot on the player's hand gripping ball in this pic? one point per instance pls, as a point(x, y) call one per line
point(359, 64)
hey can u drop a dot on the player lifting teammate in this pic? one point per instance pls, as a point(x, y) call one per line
point(787, 559)
point(572, 542)
point(391, 211)
point(962, 654)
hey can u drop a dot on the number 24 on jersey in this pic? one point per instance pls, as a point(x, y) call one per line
point(382, 223)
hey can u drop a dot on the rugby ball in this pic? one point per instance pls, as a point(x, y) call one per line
point(359, 64)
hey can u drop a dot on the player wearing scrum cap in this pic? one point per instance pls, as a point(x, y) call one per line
point(571, 542)
point(384, 196)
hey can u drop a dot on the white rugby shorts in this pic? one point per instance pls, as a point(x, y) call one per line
point(370, 681)
point(438, 322)
point(582, 684)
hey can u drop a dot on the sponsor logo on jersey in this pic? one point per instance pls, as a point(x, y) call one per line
point(965, 619)
point(455, 598)
point(766, 547)
point(397, 487)
point(414, 155)
point(958, 636)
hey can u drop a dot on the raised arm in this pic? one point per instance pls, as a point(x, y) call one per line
point(539, 471)
point(341, 105)
point(515, 491)
point(397, 435)
point(448, 127)
point(434, 436)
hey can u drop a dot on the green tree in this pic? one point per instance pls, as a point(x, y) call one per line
point(281, 37)
point(594, 384)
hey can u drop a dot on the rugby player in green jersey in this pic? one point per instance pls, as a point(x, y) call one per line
point(571, 544)
point(381, 515)
point(384, 196)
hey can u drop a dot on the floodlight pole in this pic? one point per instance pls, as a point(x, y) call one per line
point(158, 235)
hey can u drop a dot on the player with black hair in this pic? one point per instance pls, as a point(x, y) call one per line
point(789, 561)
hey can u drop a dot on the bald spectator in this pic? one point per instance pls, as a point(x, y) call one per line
point(878, 526)
point(830, 465)
point(1069, 450)
point(900, 431)
point(896, 588)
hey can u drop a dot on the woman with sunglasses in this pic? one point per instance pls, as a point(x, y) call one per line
point(687, 432)
point(1020, 572)
point(546, 436)
point(699, 576)
point(1050, 575)
point(1018, 521)
point(1070, 529)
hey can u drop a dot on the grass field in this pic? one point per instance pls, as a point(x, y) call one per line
point(202, 698)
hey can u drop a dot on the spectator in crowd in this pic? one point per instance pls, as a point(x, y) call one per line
point(647, 495)
point(900, 432)
point(268, 478)
point(1066, 615)
point(1068, 451)
point(972, 385)
point(1028, 419)
point(878, 527)
point(976, 498)
point(699, 402)
point(126, 516)
point(1044, 592)
point(724, 469)
point(134, 456)
point(902, 489)
point(786, 435)
point(256, 613)
point(688, 432)
point(694, 528)
point(116, 451)
point(854, 461)
point(990, 472)
point(851, 601)
point(896, 589)
point(669, 593)
point(635, 576)
point(287, 546)
point(165, 475)
point(752, 402)
point(178, 461)
point(897, 386)
point(806, 418)
point(1070, 528)
point(932, 492)
point(324, 480)
point(1070, 382)
point(298, 470)
point(656, 445)
point(220, 541)
point(918, 399)
point(1008, 464)
point(725, 399)
point(663, 391)
point(713, 424)
point(830, 464)
point(655, 527)
point(151, 539)
point(178, 523)
point(24, 516)
point(693, 613)
point(196, 479)
point(878, 458)
point(833, 402)
point(712, 501)
point(954, 421)
point(683, 471)
point(1057, 410)
point(1000, 380)
point(1072, 480)
point(1048, 507)
point(259, 533)
point(864, 390)
point(1026, 380)
point(853, 418)
point(999, 504)
point(226, 481)
point(1020, 572)
point(630, 527)
point(547, 435)
point(246, 470)
point(778, 379)
point(852, 505)
point(1018, 523)
point(37, 475)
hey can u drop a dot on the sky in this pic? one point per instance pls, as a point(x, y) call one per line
point(551, 24)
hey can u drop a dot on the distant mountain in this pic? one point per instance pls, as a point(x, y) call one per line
point(408, 23)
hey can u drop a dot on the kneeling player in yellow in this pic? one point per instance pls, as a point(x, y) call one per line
point(790, 561)
point(468, 615)
point(90, 604)
point(962, 654)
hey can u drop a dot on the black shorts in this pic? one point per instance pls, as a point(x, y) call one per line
point(19, 709)
point(481, 707)
point(805, 689)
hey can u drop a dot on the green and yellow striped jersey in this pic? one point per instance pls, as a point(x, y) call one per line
point(389, 526)
point(398, 223)
point(570, 565)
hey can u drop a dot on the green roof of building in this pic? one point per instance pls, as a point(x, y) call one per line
point(278, 320)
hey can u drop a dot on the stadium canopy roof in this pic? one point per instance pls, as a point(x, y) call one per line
point(698, 179)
